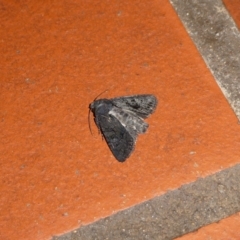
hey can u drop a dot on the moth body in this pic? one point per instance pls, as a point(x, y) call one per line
point(120, 120)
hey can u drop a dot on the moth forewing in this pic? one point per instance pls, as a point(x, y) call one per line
point(143, 105)
point(129, 120)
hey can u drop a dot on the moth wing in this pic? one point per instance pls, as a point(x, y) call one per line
point(143, 105)
point(119, 140)
point(130, 120)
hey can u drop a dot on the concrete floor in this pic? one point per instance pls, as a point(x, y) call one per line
point(60, 182)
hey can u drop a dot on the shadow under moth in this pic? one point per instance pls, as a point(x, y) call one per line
point(121, 119)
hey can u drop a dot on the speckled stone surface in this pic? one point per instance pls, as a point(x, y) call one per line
point(217, 38)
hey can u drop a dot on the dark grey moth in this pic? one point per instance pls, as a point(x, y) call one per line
point(121, 119)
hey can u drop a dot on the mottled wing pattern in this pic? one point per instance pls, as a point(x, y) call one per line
point(130, 121)
point(143, 105)
point(119, 140)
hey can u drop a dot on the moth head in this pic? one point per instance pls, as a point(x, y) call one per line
point(101, 106)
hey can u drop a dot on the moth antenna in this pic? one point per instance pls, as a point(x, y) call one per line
point(100, 95)
point(89, 123)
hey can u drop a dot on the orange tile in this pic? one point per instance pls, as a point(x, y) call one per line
point(233, 8)
point(227, 228)
point(56, 58)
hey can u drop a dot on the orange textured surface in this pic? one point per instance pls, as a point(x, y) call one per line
point(57, 56)
point(228, 228)
point(233, 8)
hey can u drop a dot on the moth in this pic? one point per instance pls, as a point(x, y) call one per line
point(121, 119)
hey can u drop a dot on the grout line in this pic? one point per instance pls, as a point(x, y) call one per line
point(217, 38)
point(171, 215)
